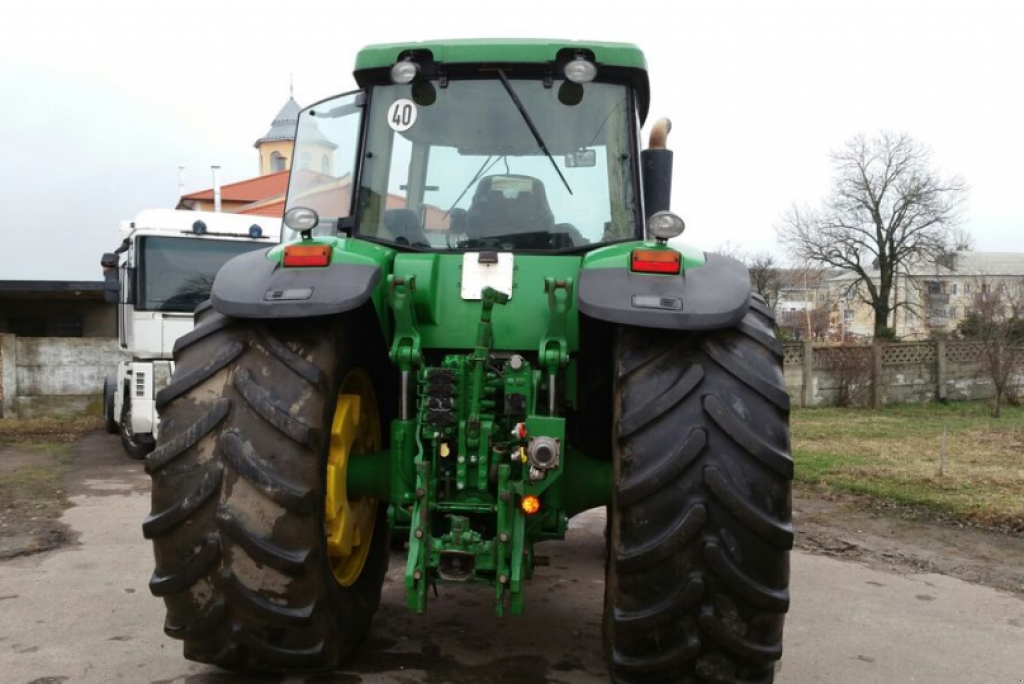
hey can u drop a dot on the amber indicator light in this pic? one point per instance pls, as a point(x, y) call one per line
point(530, 504)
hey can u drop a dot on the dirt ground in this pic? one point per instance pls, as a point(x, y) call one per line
point(899, 540)
point(32, 498)
point(36, 464)
point(37, 473)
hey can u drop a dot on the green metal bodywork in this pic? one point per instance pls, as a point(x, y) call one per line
point(454, 483)
point(497, 51)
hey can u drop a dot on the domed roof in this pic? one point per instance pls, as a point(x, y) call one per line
point(284, 124)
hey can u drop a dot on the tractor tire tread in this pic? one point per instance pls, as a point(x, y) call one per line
point(216, 363)
point(245, 483)
point(271, 612)
point(188, 438)
point(259, 549)
point(271, 411)
point(169, 581)
point(700, 525)
point(659, 405)
point(207, 621)
point(246, 461)
point(210, 323)
point(158, 523)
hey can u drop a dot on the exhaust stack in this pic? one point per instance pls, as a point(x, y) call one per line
point(656, 162)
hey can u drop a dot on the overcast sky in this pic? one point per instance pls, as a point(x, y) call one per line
point(101, 101)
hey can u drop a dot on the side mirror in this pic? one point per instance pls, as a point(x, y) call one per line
point(111, 286)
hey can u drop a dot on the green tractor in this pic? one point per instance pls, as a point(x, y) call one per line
point(476, 328)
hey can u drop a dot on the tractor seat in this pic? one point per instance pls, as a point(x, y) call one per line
point(509, 204)
point(404, 226)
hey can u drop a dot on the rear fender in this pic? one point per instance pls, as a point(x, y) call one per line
point(257, 285)
point(711, 293)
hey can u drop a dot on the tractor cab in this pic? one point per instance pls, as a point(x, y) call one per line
point(443, 151)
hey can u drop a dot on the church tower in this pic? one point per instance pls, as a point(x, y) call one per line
point(278, 145)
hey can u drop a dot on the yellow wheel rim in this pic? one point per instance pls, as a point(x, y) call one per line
point(349, 523)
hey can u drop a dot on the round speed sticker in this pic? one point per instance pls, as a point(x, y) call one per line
point(402, 115)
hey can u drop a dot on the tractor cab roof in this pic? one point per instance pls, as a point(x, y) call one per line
point(615, 61)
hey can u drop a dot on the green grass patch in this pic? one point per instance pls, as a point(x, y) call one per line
point(893, 455)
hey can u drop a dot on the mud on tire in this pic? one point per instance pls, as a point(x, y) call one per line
point(698, 572)
point(237, 520)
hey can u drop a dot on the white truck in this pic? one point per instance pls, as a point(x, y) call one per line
point(164, 269)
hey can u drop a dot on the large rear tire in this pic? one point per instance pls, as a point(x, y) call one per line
point(698, 573)
point(238, 520)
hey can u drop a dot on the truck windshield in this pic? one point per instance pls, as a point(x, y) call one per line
point(176, 274)
point(458, 167)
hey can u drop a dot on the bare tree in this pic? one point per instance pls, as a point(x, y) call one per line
point(887, 208)
point(766, 277)
point(766, 273)
point(731, 249)
point(996, 320)
point(960, 240)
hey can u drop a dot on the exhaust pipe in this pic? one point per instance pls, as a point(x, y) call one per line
point(656, 162)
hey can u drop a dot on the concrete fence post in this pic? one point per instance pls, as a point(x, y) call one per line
point(940, 370)
point(8, 376)
point(807, 387)
point(877, 391)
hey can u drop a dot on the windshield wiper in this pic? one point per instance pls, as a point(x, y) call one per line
point(529, 122)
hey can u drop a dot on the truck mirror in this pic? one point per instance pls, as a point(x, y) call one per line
point(108, 260)
point(111, 285)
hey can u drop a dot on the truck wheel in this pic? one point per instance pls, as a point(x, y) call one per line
point(262, 561)
point(134, 445)
point(108, 406)
point(698, 574)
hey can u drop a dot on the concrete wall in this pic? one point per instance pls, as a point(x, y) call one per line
point(908, 372)
point(54, 376)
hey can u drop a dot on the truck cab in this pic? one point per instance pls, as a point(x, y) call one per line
point(161, 272)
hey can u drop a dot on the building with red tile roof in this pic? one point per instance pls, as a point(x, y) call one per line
point(265, 194)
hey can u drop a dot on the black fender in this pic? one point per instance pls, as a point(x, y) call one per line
point(711, 297)
point(253, 286)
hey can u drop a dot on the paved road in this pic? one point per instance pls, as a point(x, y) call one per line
point(84, 614)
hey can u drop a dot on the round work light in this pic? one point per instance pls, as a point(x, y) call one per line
point(580, 71)
point(665, 225)
point(404, 72)
point(301, 219)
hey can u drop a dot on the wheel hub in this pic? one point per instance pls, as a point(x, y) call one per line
point(349, 523)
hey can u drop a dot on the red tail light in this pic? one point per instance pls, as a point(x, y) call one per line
point(307, 255)
point(655, 261)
